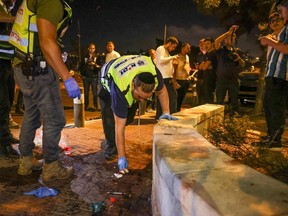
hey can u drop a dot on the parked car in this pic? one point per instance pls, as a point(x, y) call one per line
point(248, 85)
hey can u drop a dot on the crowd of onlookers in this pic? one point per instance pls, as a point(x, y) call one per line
point(219, 58)
point(215, 70)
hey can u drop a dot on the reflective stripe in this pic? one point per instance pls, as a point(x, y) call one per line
point(24, 42)
point(4, 38)
point(7, 51)
point(33, 27)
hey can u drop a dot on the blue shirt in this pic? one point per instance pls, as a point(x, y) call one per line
point(277, 61)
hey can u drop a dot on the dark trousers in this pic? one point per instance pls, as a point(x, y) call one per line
point(181, 92)
point(172, 93)
point(222, 86)
point(209, 86)
point(108, 121)
point(93, 82)
point(7, 85)
point(200, 91)
point(19, 103)
point(275, 99)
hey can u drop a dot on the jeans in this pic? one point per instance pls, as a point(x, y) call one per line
point(93, 82)
point(7, 85)
point(43, 105)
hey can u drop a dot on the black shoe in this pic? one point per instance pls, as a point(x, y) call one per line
point(9, 151)
point(91, 109)
point(275, 146)
point(19, 112)
point(110, 153)
point(268, 142)
point(13, 140)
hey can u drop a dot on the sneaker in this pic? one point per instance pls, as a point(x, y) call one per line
point(55, 171)
point(110, 153)
point(28, 164)
point(13, 124)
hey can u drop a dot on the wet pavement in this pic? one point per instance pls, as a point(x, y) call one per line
point(93, 176)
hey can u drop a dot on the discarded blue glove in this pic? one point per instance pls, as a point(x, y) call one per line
point(72, 88)
point(167, 116)
point(43, 192)
point(122, 163)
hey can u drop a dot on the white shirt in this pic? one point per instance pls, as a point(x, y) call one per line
point(164, 62)
point(112, 55)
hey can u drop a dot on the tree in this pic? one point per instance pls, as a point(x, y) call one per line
point(248, 14)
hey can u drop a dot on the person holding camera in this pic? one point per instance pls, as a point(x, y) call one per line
point(229, 63)
point(89, 71)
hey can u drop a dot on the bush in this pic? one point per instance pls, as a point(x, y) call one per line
point(231, 137)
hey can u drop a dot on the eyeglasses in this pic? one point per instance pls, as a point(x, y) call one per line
point(275, 20)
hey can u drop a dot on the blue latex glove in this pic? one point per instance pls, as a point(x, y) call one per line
point(72, 88)
point(122, 163)
point(168, 116)
point(43, 192)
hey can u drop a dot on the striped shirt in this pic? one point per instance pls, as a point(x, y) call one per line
point(277, 62)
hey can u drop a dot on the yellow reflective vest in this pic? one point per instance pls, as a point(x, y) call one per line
point(6, 49)
point(123, 70)
point(23, 32)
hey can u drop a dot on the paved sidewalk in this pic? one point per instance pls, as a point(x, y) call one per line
point(94, 176)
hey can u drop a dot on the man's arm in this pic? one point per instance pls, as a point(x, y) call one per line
point(164, 99)
point(205, 65)
point(277, 45)
point(217, 42)
point(47, 37)
point(5, 18)
point(240, 61)
point(161, 59)
point(120, 124)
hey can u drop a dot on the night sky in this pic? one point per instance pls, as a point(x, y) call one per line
point(135, 24)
